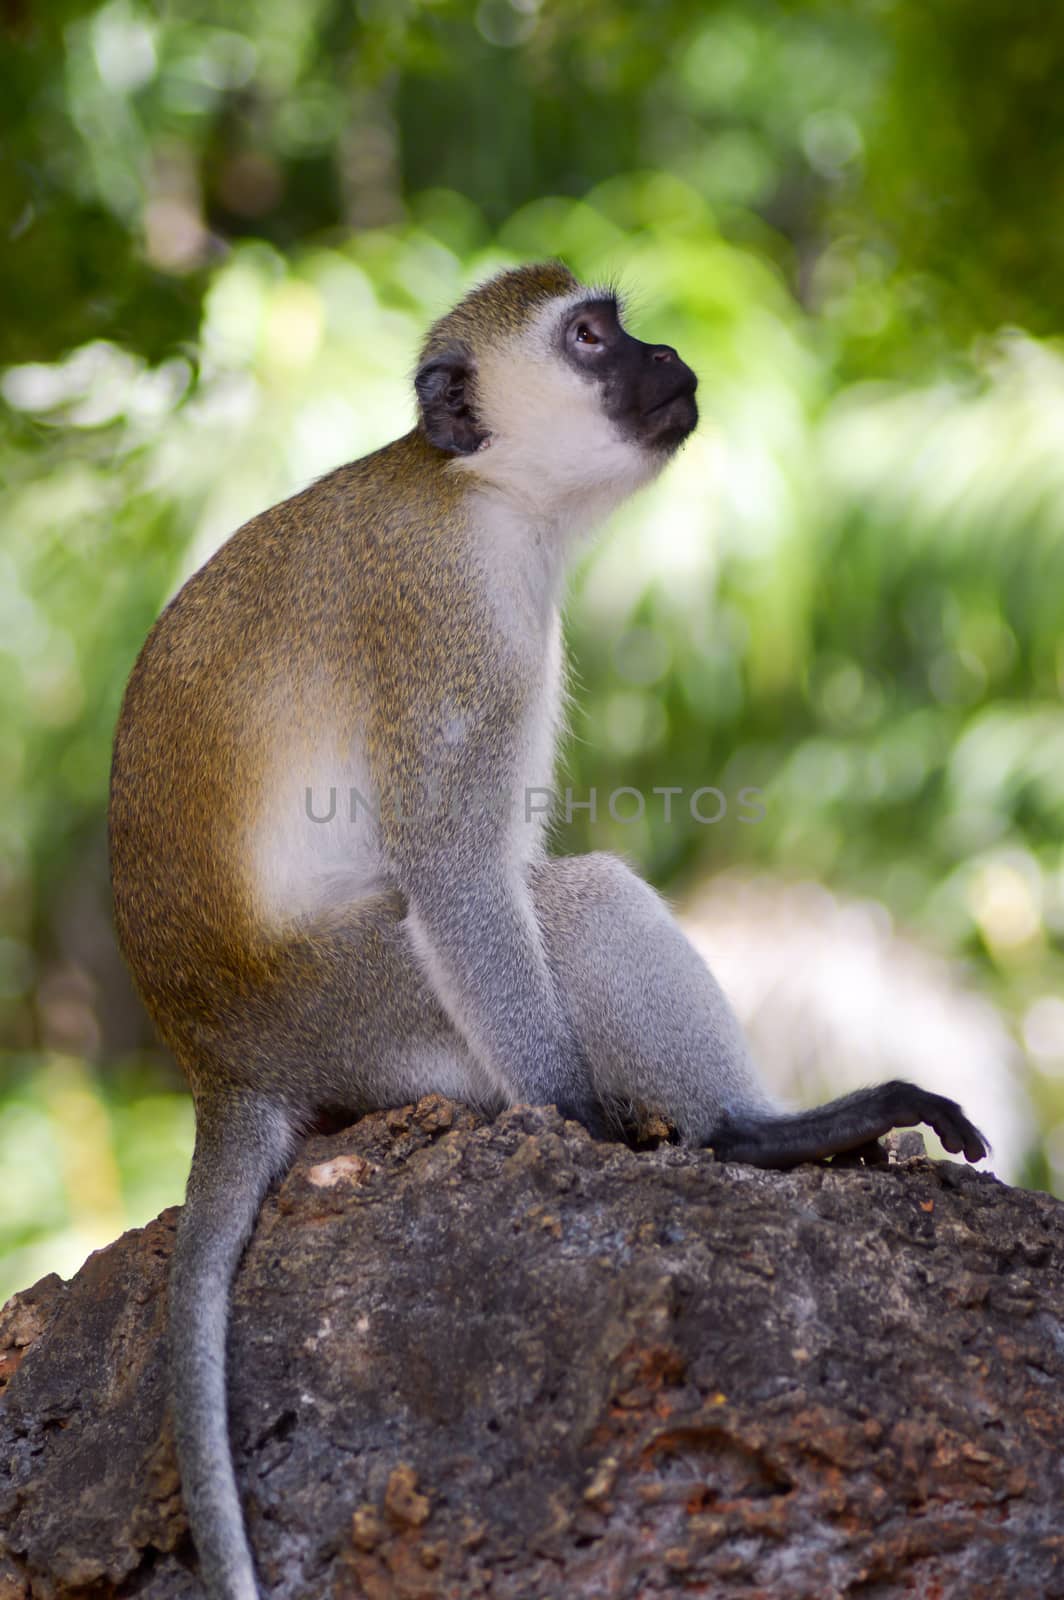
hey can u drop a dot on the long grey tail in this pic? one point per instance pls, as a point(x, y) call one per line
point(784, 1140)
point(237, 1155)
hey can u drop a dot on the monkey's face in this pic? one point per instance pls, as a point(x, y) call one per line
point(577, 409)
point(536, 386)
point(645, 390)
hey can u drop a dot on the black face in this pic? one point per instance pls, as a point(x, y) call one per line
point(646, 389)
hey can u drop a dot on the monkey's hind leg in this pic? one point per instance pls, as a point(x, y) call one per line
point(649, 1016)
point(657, 1030)
point(845, 1124)
point(242, 1143)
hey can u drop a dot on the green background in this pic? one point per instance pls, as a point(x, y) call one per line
point(225, 227)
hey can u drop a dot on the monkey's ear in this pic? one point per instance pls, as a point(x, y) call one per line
point(444, 385)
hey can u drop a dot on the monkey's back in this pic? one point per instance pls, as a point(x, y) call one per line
point(259, 668)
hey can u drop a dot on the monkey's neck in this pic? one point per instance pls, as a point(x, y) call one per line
point(524, 556)
point(564, 507)
point(538, 534)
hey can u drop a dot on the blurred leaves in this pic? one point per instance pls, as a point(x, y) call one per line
point(901, 162)
point(82, 1157)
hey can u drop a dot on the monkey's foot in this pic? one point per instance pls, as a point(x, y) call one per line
point(872, 1154)
point(847, 1124)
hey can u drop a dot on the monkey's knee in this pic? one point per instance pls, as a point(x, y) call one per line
point(576, 888)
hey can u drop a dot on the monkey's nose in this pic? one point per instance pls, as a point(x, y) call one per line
point(664, 352)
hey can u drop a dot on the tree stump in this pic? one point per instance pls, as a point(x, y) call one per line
point(502, 1360)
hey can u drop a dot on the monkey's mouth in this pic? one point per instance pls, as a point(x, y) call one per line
point(687, 392)
point(666, 424)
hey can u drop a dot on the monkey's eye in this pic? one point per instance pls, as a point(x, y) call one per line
point(591, 328)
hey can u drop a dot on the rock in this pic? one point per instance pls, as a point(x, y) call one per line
point(506, 1361)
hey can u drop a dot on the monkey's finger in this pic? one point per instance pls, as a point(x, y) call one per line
point(957, 1133)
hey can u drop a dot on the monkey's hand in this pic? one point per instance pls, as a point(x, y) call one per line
point(477, 941)
point(591, 1114)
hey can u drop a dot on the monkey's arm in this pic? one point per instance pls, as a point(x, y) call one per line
point(449, 757)
point(474, 930)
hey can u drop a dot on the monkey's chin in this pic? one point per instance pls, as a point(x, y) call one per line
point(667, 426)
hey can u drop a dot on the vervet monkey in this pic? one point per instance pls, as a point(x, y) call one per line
point(393, 632)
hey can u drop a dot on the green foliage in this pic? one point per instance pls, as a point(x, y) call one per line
point(83, 1156)
point(227, 227)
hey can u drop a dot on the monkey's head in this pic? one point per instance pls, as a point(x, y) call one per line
point(536, 384)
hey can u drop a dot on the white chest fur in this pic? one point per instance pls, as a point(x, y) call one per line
point(522, 564)
point(314, 845)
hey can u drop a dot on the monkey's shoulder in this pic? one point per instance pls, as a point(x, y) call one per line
point(376, 535)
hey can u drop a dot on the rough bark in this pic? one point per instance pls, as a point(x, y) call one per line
point(506, 1361)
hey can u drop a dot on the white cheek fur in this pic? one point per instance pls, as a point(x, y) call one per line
point(552, 450)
